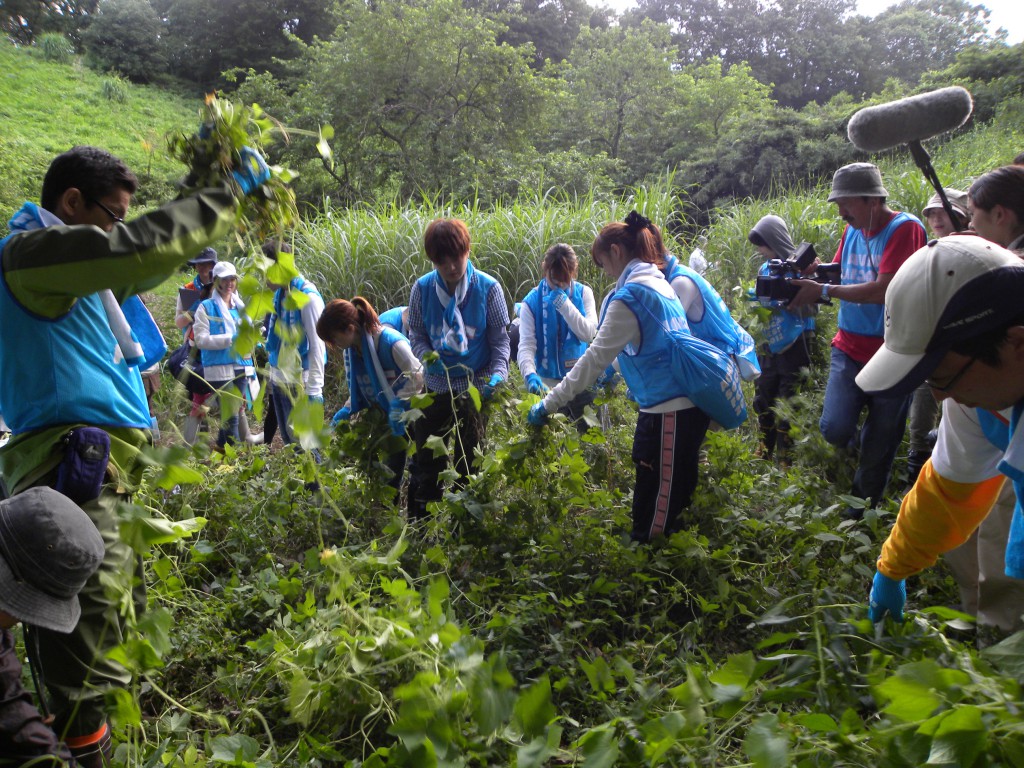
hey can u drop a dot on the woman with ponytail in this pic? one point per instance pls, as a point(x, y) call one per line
point(636, 318)
point(558, 319)
point(382, 370)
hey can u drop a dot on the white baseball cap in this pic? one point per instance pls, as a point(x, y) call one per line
point(951, 290)
point(224, 269)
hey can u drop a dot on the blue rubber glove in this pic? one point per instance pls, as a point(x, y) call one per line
point(608, 378)
point(342, 415)
point(538, 415)
point(395, 413)
point(437, 368)
point(316, 399)
point(887, 596)
point(558, 297)
point(535, 385)
point(490, 386)
point(252, 171)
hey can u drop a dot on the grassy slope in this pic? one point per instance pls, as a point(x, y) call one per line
point(46, 108)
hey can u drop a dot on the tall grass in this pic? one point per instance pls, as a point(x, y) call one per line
point(377, 251)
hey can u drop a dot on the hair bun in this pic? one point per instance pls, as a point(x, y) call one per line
point(635, 222)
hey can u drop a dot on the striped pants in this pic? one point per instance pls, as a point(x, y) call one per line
point(666, 449)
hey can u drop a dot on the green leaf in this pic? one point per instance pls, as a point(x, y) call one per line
point(909, 700)
point(142, 533)
point(534, 710)
point(1007, 656)
point(123, 708)
point(436, 445)
point(958, 736)
point(237, 749)
point(600, 748)
point(817, 722)
point(474, 395)
point(136, 655)
point(177, 474)
point(767, 744)
point(536, 753)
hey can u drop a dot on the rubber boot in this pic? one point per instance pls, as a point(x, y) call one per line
point(243, 430)
point(191, 431)
point(92, 751)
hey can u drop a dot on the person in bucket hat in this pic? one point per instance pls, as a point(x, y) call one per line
point(876, 241)
point(48, 549)
point(953, 319)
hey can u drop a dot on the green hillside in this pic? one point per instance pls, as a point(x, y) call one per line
point(46, 107)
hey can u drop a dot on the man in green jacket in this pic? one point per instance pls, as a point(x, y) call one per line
point(67, 363)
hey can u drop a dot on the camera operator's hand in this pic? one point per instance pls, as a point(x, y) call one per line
point(808, 293)
point(811, 268)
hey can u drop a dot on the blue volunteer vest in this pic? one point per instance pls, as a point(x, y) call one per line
point(67, 370)
point(646, 367)
point(291, 331)
point(220, 356)
point(784, 327)
point(860, 261)
point(557, 346)
point(393, 319)
point(1015, 541)
point(474, 317)
point(363, 387)
point(717, 325)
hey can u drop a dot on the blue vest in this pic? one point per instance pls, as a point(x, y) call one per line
point(784, 327)
point(645, 368)
point(860, 261)
point(474, 317)
point(66, 370)
point(363, 386)
point(1015, 541)
point(716, 326)
point(393, 319)
point(558, 348)
point(221, 356)
point(291, 331)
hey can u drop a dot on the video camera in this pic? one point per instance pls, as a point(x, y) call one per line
point(776, 288)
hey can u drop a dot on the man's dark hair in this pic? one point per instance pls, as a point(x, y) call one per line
point(94, 172)
point(985, 347)
point(273, 247)
point(1019, 159)
point(1003, 186)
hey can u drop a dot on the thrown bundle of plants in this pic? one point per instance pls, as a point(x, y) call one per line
point(212, 153)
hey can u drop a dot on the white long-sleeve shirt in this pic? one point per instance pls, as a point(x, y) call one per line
point(312, 377)
point(583, 325)
point(618, 329)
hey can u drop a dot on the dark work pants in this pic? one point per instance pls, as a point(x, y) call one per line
point(666, 450)
point(780, 375)
point(457, 421)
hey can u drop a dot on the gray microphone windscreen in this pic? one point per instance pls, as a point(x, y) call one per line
point(915, 118)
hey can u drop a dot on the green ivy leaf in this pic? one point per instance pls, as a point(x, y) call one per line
point(766, 744)
point(600, 748)
point(141, 533)
point(534, 710)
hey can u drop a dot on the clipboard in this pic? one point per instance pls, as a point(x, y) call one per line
point(188, 297)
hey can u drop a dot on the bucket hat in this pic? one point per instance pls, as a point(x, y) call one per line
point(48, 550)
point(957, 201)
point(206, 256)
point(857, 180)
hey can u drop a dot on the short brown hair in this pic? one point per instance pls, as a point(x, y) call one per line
point(560, 263)
point(446, 239)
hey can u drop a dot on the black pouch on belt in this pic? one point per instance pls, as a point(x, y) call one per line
point(83, 469)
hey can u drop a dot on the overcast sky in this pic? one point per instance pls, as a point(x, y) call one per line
point(1005, 13)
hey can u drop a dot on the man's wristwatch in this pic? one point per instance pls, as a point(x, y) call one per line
point(824, 291)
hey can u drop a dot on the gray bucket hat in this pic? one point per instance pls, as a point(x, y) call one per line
point(206, 256)
point(857, 180)
point(48, 550)
point(957, 201)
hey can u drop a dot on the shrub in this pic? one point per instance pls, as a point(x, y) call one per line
point(56, 47)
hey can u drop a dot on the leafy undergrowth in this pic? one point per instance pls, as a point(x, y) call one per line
point(520, 627)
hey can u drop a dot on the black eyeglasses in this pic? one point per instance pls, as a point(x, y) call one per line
point(953, 381)
point(117, 219)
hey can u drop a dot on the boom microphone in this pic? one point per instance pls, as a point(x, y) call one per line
point(913, 119)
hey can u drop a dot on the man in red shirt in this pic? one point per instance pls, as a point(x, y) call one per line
point(875, 243)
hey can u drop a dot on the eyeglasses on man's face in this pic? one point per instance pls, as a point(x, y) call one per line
point(952, 382)
point(117, 219)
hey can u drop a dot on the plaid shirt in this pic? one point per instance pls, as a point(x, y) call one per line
point(497, 340)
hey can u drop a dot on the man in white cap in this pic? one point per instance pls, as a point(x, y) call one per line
point(48, 549)
point(953, 318)
point(876, 241)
